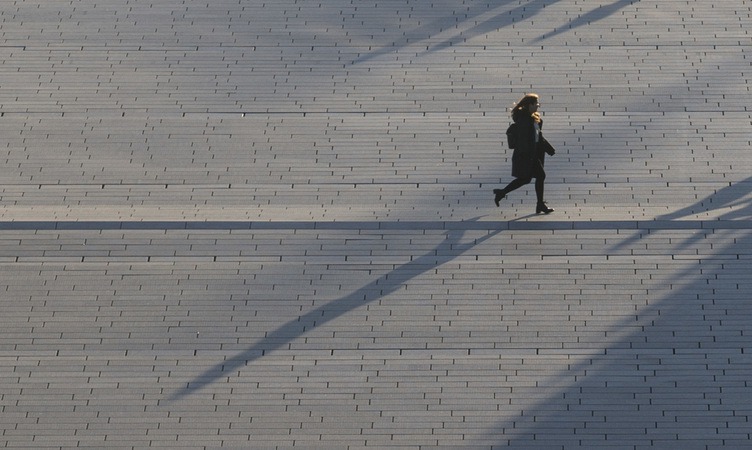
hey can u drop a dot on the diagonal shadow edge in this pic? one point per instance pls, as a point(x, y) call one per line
point(731, 195)
point(445, 252)
point(656, 316)
point(597, 362)
point(599, 13)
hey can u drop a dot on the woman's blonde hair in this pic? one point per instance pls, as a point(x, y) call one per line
point(521, 106)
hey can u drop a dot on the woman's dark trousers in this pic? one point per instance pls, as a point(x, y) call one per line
point(540, 176)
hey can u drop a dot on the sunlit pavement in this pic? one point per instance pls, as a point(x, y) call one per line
point(271, 225)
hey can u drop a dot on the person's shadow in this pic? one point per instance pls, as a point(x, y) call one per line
point(446, 251)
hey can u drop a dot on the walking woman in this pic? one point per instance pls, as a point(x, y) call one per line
point(530, 148)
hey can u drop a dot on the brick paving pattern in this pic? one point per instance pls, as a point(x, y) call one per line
point(270, 225)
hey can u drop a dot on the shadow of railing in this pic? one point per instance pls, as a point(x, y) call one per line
point(731, 197)
point(674, 373)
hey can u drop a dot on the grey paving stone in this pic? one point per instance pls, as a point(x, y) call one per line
point(271, 226)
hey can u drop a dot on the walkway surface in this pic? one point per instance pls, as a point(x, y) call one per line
point(247, 224)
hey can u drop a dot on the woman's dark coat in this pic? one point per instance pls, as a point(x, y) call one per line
point(527, 153)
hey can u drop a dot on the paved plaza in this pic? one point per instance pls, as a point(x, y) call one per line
point(270, 225)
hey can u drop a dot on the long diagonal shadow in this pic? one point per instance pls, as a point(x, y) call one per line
point(475, 23)
point(577, 403)
point(599, 13)
point(446, 251)
point(731, 197)
point(425, 33)
point(690, 331)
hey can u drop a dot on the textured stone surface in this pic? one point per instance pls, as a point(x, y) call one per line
point(270, 225)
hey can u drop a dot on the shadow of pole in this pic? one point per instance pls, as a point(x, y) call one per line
point(445, 252)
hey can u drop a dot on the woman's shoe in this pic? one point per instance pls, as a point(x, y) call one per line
point(499, 195)
point(543, 208)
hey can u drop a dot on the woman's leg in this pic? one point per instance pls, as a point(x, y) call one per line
point(540, 178)
point(515, 184)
